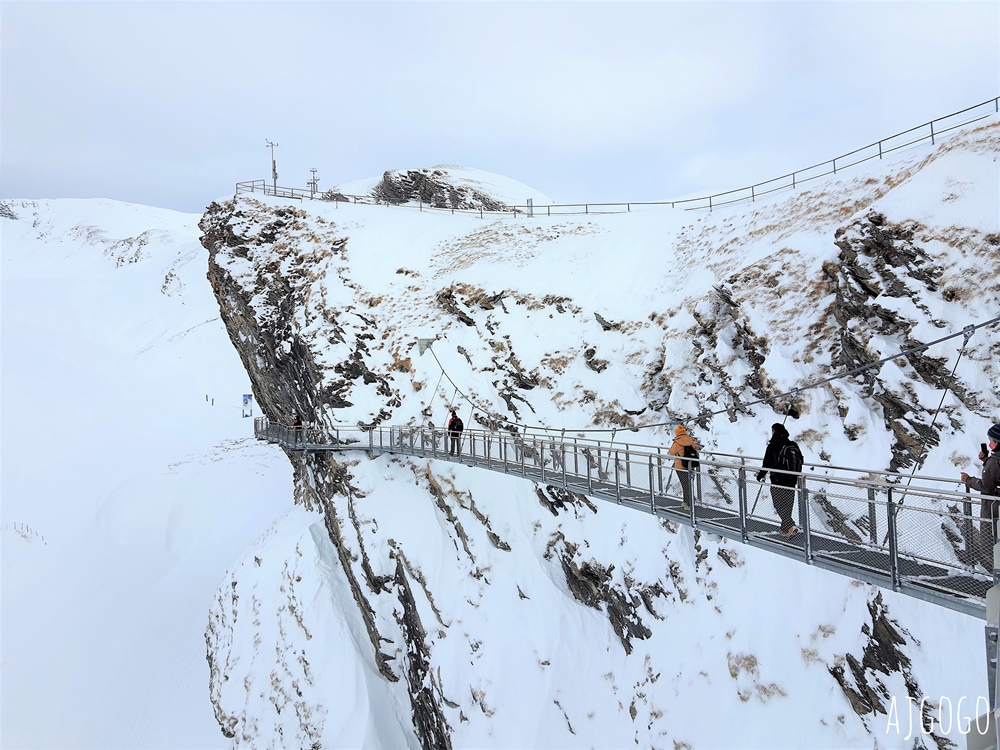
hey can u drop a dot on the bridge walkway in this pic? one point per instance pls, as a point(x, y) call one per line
point(919, 538)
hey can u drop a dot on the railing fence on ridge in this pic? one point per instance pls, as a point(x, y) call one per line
point(924, 538)
point(929, 131)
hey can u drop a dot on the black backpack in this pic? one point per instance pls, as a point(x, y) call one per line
point(690, 460)
point(789, 457)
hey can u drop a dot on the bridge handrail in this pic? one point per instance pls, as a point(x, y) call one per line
point(750, 192)
point(929, 549)
point(874, 476)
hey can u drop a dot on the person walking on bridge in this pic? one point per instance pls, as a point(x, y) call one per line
point(685, 451)
point(455, 428)
point(782, 453)
point(988, 484)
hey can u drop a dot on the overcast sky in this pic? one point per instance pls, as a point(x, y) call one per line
point(170, 103)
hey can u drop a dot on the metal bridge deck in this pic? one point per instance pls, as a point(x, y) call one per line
point(950, 578)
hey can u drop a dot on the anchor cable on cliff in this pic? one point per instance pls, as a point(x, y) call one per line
point(967, 332)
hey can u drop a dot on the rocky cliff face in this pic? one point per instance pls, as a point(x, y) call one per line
point(324, 309)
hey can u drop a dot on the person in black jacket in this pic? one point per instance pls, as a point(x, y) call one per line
point(455, 428)
point(988, 485)
point(782, 485)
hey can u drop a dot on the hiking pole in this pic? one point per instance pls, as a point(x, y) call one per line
point(759, 490)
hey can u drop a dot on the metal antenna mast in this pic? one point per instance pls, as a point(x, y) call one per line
point(274, 164)
point(313, 183)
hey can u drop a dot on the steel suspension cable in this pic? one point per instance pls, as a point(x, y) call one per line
point(738, 405)
point(968, 331)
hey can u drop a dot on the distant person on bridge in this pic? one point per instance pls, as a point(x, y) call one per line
point(686, 461)
point(989, 484)
point(455, 428)
point(782, 453)
point(297, 428)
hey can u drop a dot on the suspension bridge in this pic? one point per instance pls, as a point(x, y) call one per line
point(916, 535)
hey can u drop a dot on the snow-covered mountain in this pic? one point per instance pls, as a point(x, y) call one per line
point(403, 603)
point(490, 612)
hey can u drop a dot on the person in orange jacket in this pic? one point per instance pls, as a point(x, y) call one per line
point(685, 451)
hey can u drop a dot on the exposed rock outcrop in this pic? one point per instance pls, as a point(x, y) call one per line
point(433, 187)
point(880, 261)
point(863, 677)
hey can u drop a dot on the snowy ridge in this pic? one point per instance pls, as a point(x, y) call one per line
point(503, 614)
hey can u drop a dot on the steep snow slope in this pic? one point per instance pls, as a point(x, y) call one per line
point(483, 611)
point(126, 494)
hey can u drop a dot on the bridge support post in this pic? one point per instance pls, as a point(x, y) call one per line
point(618, 481)
point(741, 493)
point(983, 731)
point(694, 495)
point(590, 478)
point(893, 541)
point(652, 496)
point(804, 516)
point(872, 520)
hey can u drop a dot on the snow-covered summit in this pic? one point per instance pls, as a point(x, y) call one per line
point(445, 186)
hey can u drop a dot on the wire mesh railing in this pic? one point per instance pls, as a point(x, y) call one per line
point(925, 538)
point(929, 132)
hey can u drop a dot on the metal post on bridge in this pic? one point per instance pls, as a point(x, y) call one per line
point(804, 516)
point(618, 481)
point(983, 733)
point(872, 520)
point(892, 510)
point(741, 486)
point(590, 480)
point(652, 496)
point(694, 495)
